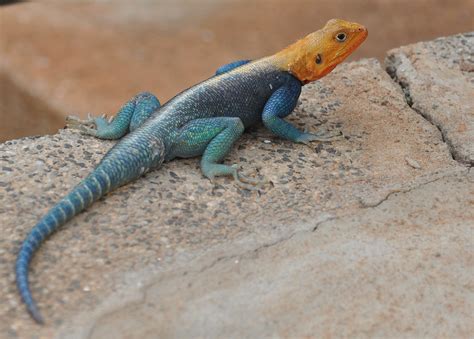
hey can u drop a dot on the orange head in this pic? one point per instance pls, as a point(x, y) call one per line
point(318, 53)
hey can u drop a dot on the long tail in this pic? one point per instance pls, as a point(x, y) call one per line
point(81, 197)
point(118, 167)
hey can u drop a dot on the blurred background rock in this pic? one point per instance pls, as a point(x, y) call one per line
point(74, 57)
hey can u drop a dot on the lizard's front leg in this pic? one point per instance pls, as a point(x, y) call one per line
point(130, 116)
point(213, 138)
point(282, 103)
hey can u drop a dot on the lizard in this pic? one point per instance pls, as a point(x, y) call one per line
point(204, 120)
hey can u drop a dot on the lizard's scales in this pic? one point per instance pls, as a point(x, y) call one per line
point(205, 119)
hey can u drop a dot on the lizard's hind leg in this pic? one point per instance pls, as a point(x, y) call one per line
point(213, 138)
point(129, 117)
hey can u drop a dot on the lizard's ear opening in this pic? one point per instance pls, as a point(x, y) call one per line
point(319, 59)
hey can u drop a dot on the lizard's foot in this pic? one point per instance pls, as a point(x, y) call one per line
point(100, 127)
point(322, 136)
point(247, 182)
point(88, 126)
point(214, 170)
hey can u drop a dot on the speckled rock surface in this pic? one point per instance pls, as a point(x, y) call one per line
point(401, 269)
point(173, 223)
point(438, 79)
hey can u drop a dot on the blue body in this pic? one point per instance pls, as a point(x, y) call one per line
point(242, 93)
point(203, 120)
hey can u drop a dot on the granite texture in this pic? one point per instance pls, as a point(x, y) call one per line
point(370, 235)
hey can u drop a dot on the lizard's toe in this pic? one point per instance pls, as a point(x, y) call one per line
point(247, 182)
point(87, 130)
point(252, 181)
point(322, 136)
point(84, 126)
point(74, 122)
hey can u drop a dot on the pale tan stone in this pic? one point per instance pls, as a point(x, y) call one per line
point(177, 255)
point(438, 79)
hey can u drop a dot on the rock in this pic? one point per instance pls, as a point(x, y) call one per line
point(385, 272)
point(412, 163)
point(438, 80)
point(344, 228)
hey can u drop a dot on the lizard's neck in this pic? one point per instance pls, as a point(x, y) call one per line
point(294, 59)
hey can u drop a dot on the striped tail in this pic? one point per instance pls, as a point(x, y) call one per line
point(134, 155)
point(83, 195)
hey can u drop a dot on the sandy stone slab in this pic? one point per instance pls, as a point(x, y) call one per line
point(175, 212)
point(438, 79)
point(401, 269)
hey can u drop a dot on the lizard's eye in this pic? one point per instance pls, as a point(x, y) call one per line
point(341, 37)
point(319, 59)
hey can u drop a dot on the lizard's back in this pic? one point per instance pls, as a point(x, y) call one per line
point(240, 93)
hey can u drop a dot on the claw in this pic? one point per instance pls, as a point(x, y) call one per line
point(252, 181)
point(84, 126)
point(74, 119)
point(246, 182)
point(322, 136)
point(244, 185)
point(89, 131)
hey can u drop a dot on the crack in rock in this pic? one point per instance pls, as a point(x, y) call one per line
point(436, 82)
point(410, 188)
point(392, 64)
point(252, 252)
point(144, 291)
